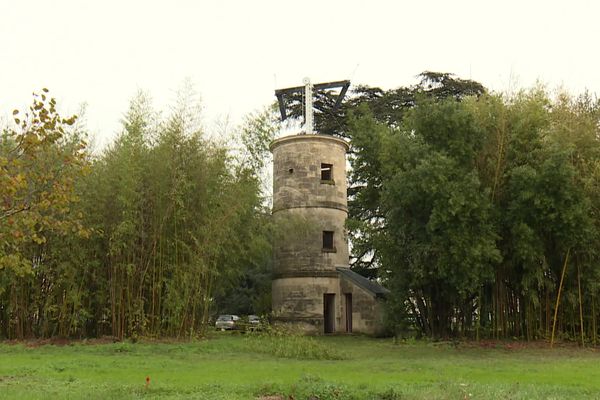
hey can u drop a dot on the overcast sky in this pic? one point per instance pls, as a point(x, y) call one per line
point(237, 52)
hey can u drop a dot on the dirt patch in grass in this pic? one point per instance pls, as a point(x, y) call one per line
point(59, 341)
point(523, 345)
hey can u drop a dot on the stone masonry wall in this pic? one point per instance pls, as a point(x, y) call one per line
point(297, 172)
point(301, 300)
point(303, 207)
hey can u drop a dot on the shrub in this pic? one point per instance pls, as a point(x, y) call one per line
point(286, 344)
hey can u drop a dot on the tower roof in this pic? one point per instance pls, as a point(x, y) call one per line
point(306, 138)
point(372, 287)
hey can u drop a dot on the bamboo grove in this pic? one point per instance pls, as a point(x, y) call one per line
point(139, 240)
point(472, 208)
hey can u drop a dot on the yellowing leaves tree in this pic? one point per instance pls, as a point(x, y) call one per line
point(40, 160)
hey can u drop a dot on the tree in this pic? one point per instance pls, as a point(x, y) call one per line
point(435, 237)
point(387, 108)
point(469, 207)
point(40, 160)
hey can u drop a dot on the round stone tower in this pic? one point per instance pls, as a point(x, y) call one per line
point(310, 209)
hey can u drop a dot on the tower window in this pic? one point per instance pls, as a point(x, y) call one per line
point(328, 241)
point(326, 172)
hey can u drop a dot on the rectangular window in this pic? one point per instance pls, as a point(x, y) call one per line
point(326, 172)
point(328, 241)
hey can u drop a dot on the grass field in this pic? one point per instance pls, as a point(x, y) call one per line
point(250, 367)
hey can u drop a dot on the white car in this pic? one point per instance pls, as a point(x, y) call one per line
point(253, 322)
point(227, 322)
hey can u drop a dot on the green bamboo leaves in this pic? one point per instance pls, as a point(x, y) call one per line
point(472, 204)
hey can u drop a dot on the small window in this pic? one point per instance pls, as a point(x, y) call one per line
point(326, 172)
point(328, 241)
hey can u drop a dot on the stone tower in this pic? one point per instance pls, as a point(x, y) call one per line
point(313, 288)
point(309, 189)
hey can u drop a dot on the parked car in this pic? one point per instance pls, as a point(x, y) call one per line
point(227, 322)
point(253, 322)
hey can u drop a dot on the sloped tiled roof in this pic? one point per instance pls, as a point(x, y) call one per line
point(370, 286)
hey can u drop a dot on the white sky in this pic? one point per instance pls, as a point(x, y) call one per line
point(237, 52)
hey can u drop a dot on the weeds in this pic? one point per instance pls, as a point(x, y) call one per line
point(123, 347)
point(284, 344)
point(311, 387)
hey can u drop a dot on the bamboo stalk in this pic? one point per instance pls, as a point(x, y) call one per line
point(562, 278)
point(580, 306)
point(547, 325)
point(479, 306)
point(593, 320)
point(501, 138)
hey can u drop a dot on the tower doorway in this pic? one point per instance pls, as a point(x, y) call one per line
point(329, 313)
point(348, 297)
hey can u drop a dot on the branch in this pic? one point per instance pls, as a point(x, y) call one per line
point(9, 213)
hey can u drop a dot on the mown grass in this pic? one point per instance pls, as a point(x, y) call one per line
point(250, 366)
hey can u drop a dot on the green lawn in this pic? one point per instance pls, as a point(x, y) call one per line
point(248, 367)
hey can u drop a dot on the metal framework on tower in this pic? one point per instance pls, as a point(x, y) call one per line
point(308, 91)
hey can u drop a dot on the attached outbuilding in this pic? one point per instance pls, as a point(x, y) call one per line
point(363, 302)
